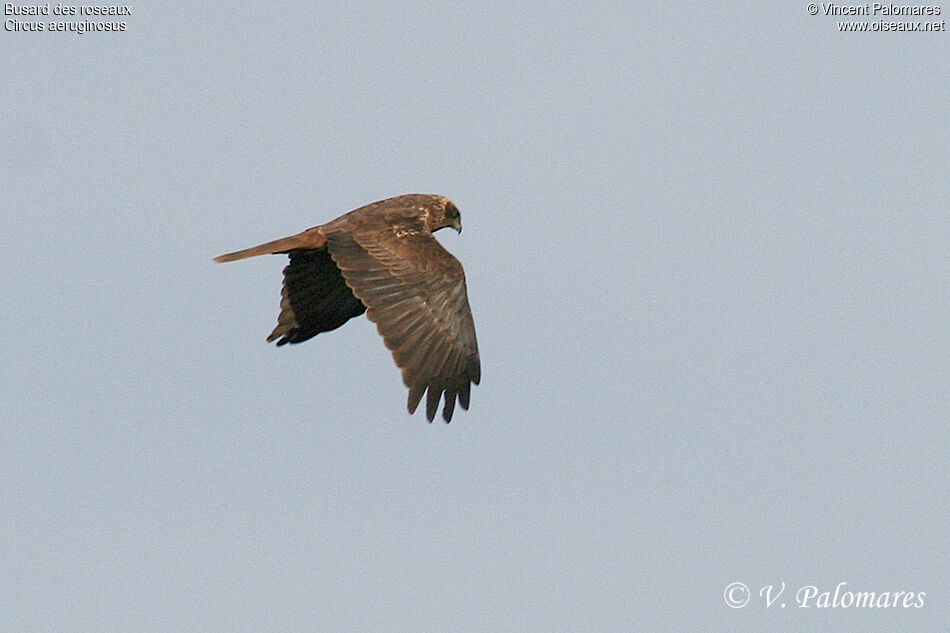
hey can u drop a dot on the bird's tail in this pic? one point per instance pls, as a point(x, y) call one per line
point(311, 238)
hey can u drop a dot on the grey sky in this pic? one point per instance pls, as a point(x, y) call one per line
point(707, 254)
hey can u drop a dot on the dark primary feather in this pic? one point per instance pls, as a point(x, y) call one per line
point(314, 299)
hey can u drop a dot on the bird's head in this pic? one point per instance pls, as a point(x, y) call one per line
point(445, 214)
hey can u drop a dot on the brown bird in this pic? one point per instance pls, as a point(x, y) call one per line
point(382, 259)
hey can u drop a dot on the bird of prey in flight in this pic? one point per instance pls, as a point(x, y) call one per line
point(382, 259)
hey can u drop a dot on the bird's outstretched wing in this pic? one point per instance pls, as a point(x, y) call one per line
point(414, 290)
point(314, 298)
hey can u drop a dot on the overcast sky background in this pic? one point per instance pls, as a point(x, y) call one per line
point(707, 250)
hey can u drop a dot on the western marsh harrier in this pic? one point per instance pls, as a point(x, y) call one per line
point(382, 259)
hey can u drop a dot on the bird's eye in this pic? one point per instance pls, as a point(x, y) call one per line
point(452, 212)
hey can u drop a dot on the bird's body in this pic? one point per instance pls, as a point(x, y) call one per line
point(382, 259)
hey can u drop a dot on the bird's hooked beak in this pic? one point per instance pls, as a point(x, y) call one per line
point(450, 215)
